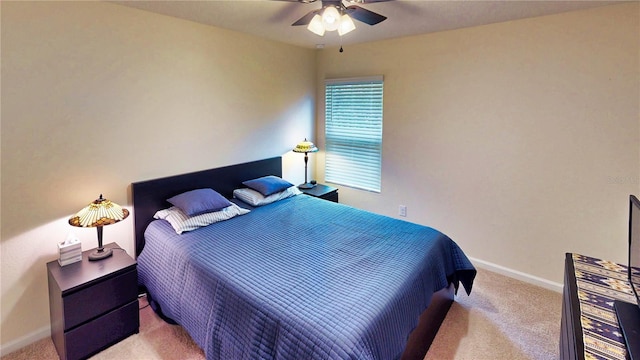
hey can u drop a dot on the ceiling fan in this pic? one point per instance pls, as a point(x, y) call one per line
point(334, 15)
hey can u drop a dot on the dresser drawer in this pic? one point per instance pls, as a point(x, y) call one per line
point(102, 332)
point(99, 298)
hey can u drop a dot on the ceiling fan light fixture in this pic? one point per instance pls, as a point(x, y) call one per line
point(331, 18)
point(316, 26)
point(334, 15)
point(346, 25)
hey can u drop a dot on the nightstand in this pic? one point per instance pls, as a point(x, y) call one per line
point(323, 192)
point(93, 304)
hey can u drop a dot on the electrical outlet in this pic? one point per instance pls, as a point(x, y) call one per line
point(402, 210)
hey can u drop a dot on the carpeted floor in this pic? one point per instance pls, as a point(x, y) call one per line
point(502, 319)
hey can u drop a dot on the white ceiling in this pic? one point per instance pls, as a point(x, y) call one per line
point(272, 19)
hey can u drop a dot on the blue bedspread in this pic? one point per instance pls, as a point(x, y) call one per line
point(302, 278)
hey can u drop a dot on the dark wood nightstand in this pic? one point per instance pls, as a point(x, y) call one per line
point(93, 304)
point(323, 192)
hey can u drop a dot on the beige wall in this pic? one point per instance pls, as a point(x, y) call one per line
point(96, 96)
point(520, 140)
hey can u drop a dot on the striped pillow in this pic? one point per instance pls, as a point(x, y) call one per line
point(254, 198)
point(182, 223)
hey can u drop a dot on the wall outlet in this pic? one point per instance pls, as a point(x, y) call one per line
point(402, 210)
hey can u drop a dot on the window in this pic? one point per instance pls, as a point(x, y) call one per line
point(353, 132)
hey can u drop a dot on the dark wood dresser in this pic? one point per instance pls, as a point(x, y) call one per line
point(92, 304)
point(589, 326)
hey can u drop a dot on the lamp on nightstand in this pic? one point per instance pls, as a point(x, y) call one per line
point(305, 147)
point(99, 213)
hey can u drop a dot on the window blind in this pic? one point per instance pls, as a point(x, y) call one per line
point(353, 132)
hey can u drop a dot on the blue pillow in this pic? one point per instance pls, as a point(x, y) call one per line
point(268, 185)
point(200, 201)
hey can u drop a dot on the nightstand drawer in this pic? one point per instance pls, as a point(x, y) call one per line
point(332, 196)
point(102, 332)
point(322, 191)
point(102, 297)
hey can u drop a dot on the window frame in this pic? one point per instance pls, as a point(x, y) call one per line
point(369, 141)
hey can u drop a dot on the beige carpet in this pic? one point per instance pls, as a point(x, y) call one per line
point(502, 319)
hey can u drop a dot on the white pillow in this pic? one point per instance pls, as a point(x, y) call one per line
point(254, 198)
point(181, 222)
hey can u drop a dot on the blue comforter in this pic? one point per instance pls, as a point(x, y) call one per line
point(301, 278)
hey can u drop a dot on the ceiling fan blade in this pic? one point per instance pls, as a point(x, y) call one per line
point(305, 20)
point(364, 15)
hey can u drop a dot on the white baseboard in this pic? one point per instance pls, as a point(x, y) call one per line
point(28, 339)
point(554, 286)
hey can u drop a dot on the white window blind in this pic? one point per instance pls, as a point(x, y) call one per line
point(353, 132)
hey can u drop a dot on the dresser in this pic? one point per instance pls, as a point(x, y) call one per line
point(92, 304)
point(589, 327)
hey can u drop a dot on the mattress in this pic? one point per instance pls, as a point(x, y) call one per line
point(302, 278)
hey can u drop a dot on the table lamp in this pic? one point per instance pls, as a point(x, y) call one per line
point(305, 147)
point(99, 213)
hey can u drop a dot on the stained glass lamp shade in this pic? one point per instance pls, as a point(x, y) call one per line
point(99, 213)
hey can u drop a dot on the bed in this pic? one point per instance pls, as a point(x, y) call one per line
point(300, 278)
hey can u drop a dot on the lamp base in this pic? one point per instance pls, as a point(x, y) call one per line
point(100, 254)
point(306, 186)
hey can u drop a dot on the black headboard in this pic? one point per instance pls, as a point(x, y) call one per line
point(150, 196)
